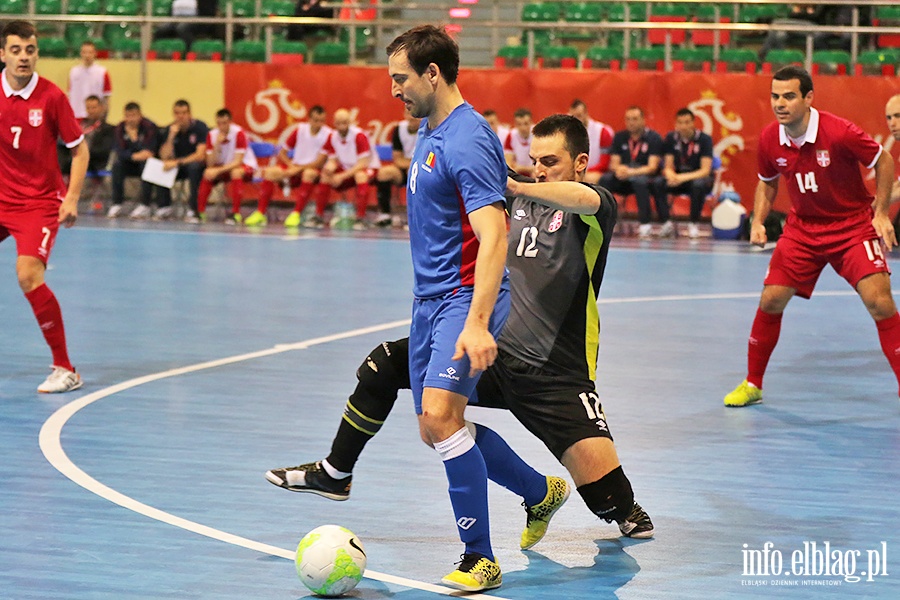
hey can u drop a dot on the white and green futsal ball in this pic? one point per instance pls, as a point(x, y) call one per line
point(330, 560)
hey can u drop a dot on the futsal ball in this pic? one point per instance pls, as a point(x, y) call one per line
point(330, 560)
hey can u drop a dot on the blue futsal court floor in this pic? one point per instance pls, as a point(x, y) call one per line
point(210, 357)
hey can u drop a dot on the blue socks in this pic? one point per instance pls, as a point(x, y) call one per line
point(467, 475)
point(505, 467)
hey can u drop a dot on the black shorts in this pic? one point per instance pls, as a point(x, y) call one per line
point(558, 409)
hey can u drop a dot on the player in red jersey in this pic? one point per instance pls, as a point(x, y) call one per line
point(33, 198)
point(833, 220)
point(892, 112)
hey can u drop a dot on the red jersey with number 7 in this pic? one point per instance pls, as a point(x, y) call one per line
point(822, 174)
point(31, 120)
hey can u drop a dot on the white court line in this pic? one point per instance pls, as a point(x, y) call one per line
point(51, 443)
point(51, 446)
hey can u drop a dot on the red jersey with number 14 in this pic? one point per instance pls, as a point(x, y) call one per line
point(822, 175)
point(31, 120)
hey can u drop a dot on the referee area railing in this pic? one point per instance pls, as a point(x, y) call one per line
point(484, 34)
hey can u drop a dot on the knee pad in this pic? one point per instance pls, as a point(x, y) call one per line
point(610, 497)
point(386, 367)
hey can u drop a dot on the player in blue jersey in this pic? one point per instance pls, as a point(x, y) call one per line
point(457, 223)
point(545, 372)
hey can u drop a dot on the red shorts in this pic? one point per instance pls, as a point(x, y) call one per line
point(350, 182)
point(33, 224)
point(226, 176)
point(851, 247)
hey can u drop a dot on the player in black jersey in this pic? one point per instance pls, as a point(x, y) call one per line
point(560, 229)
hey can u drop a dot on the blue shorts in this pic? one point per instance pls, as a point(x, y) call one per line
point(436, 325)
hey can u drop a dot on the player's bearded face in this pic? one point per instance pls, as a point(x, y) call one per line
point(414, 90)
point(552, 161)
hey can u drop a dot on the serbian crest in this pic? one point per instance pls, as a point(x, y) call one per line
point(555, 222)
point(822, 158)
point(35, 117)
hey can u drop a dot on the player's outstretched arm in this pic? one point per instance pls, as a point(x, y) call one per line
point(475, 340)
point(762, 205)
point(884, 181)
point(569, 196)
point(68, 210)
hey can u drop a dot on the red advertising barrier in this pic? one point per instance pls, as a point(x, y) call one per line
point(732, 108)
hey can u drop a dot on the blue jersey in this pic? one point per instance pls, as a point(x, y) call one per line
point(456, 168)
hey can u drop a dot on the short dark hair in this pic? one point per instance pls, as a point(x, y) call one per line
point(94, 98)
point(183, 103)
point(795, 72)
point(223, 112)
point(576, 103)
point(428, 44)
point(317, 109)
point(22, 29)
point(684, 112)
point(489, 113)
point(133, 106)
point(573, 130)
point(522, 112)
point(635, 107)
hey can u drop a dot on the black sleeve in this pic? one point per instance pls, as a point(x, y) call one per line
point(102, 142)
point(668, 145)
point(706, 146)
point(655, 144)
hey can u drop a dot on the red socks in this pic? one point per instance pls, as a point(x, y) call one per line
point(362, 199)
point(301, 196)
point(763, 338)
point(323, 191)
point(889, 336)
point(266, 189)
point(203, 194)
point(236, 189)
point(49, 318)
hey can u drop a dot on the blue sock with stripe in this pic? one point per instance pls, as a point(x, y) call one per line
point(467, 476)
point(505, 467)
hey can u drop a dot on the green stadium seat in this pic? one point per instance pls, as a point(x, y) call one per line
point(878, 62)
point(78, 32)
point(118, 31)
point(706, 13)
point(737, 59)
point(759, 13)
point(207, 50)
point(85, 7)
point(364, 38)
point(647, 58)
point(243, 8)
point(126, 47)
point(13, 7)
point(581, 12)
point(693, 59)
point(331, 53)
point(887, 16)
point(125, 8)
point(603, 57)
point(53, 47)
point(48, 7)
point(170, 48)
point(248, 51)
point(162, 8)
point(831, 62)
point(512, 56)
point(616, 12)
point(780, 58)
point(278, 8)
point(541, 12)
point(288, 47)
point(565, 57)
point(672, 10)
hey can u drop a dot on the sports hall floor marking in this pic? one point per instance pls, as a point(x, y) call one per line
point(51, 443)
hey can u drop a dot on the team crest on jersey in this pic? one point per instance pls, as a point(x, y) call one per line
point(555, 222)
point(35, 117)
point(822, 158)
point(781, 162)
